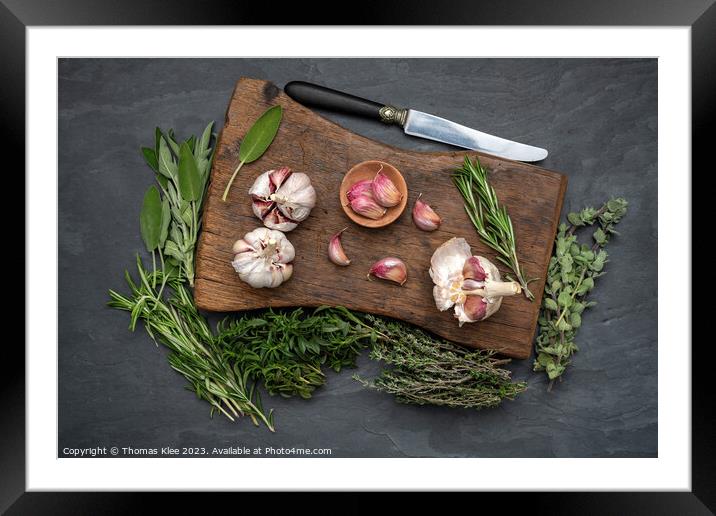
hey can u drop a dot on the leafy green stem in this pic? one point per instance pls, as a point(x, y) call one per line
point(231, 181)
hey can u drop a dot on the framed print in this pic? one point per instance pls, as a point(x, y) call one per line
point(396, 257)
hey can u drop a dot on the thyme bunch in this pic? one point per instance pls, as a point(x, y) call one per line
point(489, 217)
point(425, 370)
point(570, 277)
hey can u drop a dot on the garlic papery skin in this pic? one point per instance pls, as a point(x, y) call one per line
point(263, 258)
point(424, 216)
point(469, 283)
point(359, 188)
point(282, 198)
point(335, 250)
point(391, 269)
point(366, 206)
point(384, 190)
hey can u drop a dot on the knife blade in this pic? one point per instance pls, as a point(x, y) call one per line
point(413, 122)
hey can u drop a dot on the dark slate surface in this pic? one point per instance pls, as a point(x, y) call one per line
point(597, 117)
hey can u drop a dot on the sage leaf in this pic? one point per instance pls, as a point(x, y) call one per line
point(157, 138)
point(150, 218)
point(166, 165)
point(150, 157)
point(166, 219)
point(190, 183)
point(260, 135)
point(257, 140)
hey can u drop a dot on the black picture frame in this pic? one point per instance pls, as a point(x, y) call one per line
point(700, 15)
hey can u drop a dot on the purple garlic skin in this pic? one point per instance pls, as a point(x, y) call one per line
point(366, 206)
point(360, 188)
point(335, 250)
point(385, 191)
point(282, 198)
point(391, 269)
point(424, 216)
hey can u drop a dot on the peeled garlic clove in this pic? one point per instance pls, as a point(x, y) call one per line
point(360, 188)
point(424, 216)
point(367, 206)
point(263, 258)
point(385, 191)
point(282, 198)
point(390, 268)
point(335, 250)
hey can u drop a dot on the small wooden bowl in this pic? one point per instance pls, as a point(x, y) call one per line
point(368, 170)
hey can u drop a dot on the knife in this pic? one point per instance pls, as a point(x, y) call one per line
point(413, 122)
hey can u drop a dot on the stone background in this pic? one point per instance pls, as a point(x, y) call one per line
point(598, 119)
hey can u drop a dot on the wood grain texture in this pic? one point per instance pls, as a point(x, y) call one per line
point(308, 143)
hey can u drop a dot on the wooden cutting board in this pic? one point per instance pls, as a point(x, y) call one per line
point(308, 143)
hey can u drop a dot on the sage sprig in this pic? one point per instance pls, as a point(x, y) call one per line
point(257, 140)
point(570, 277)
point(489, 217)
point(182, 172)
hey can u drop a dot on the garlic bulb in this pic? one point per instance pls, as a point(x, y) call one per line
point(263, 258)
point(469, 283)
point(282, 198)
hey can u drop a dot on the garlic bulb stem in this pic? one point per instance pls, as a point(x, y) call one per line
point(496, 289)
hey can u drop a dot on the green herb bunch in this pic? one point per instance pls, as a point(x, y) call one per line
point(425, 370)
point(489, 217)
point(173, 320)
point(286, 350)
point(182, 173)
point(570, 277)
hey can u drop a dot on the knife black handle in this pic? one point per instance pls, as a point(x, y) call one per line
point(314, 95)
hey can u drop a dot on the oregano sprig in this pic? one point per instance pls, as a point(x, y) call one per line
point(489, 217)
point(570, 277)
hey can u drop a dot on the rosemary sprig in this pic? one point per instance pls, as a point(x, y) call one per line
point(173, 320)
point(490, 219)
point(425, 370)
point(570, 277)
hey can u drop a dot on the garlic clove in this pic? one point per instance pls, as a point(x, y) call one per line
point(367, 206)
point(276, 220)
point(296, 197)
point(335, 250)
point(364, 187)
point(262, 208)
point(473, 269)
point(385, 191)
point(424, 216)
point(390, 268)
point(475, 308)
point(278, 176)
